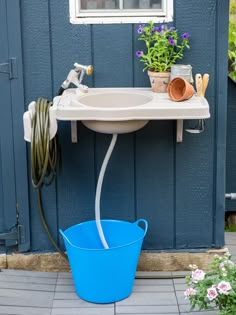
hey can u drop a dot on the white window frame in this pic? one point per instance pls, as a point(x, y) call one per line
point(114, 17)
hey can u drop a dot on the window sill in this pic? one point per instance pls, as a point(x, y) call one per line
point(120, 20)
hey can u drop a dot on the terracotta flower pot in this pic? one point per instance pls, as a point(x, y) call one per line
point(159, 81)
point(179, 89)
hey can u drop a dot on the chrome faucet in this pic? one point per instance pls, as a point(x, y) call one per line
point(76, 76)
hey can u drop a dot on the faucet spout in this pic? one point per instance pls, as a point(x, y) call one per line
point(76, 76)
point(86, 69)
point(82, 70)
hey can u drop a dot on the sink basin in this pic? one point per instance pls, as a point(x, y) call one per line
point(114, 100)
point(123, 110)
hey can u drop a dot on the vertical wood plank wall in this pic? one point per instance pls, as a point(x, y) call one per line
point(149, 176)
point(231, 145)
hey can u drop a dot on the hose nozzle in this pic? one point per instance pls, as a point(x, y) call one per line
point(88, 69)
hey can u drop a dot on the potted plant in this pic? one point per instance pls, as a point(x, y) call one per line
point(214, 289)
point(163, 48)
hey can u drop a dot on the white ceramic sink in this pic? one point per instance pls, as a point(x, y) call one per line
point(114, 100)
point(122, 110)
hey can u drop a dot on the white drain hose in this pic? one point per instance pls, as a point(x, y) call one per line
point(99, 189)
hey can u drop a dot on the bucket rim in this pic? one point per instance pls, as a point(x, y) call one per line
point(110, 248)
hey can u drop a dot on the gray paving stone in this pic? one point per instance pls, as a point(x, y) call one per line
point(181, 298)
point(5, 310)
point(83, 311)
point(78, 304)
point(65, 288)
point(186, 309)
point(67, 281)
point(232, 249)
point(64, 275)
point(65, 296)
point(158, 298)
point(160, 282)
point(178, 281)
point(153, 288)
point(12, 272)
point(180, 286)
point(26, 279)
point(26, 298)
point(230, 238)
point(27, 286)
point(145, 309)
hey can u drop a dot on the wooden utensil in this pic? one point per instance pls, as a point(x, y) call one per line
point(198, 82)
point(205, 80)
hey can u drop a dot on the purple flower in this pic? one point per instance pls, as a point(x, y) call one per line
point(171, 41)
point(163, 27)
point(185, 35)
point(139, 53)
point(140, 29)
point(172, 28)
point(155, 29)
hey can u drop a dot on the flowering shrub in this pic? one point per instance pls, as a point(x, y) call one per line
point(163, 46)
point(214, 289)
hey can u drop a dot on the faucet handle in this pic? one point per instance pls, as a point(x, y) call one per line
point(89, 70)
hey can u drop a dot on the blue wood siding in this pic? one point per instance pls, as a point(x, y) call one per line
point(231, 145)
point(176, 187)
point(13, 167)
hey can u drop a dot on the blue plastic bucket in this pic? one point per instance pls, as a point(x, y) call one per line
point(104, 275)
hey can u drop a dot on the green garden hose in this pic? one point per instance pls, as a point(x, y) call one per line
point(44, 157)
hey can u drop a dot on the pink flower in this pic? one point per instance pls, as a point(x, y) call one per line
point(222, 266)
point(198, 275)
point(189, 292)
point(224, 287)
point(211, 293)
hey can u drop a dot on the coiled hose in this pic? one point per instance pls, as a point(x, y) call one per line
point(44, 157)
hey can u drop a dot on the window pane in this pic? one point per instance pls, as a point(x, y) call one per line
point(99, 4)
point(142, 4)
point(156, 4)
point(131, 4)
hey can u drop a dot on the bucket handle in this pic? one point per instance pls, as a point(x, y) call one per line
point(145, 224)
point(65, 237)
